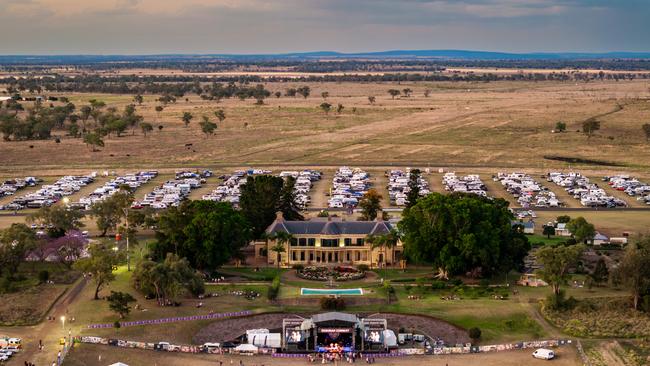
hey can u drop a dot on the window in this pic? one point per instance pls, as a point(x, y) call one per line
point(294, 242)
point(302, 242)
point(348, 242)
point(329, 243)
point(360, 242)
point(302, 255)
point(311, 242)
point(311, 256)
point(293, 256)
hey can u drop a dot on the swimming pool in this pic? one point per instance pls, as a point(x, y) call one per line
point(325, 291)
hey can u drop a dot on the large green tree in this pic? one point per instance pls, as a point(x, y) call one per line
point(581, 230)
point(58, 219)
point(168, 279)
point(463, 232)
point(15, 242)
point(110, 212)
point(370, 205)
point(100, 264)
point(287, 202)
point(414, 188)
point(118, 302)
point(208, 234)
point(556, 262)
point(634, 269)
point(259, 201)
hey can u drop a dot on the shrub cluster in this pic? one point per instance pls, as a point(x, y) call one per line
point(274, 289)
point(332, 303)
point(323, 273)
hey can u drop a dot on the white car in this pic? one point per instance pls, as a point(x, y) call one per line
point(544, 354)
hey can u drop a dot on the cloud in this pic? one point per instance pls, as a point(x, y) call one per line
point(255, 26)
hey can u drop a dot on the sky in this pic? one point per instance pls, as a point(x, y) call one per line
point(276, 26)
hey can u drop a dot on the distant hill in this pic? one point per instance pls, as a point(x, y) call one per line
point(393, 54)
point(467, 55)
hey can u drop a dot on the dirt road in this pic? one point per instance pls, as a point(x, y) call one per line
point(49, 331)
point(88, 355)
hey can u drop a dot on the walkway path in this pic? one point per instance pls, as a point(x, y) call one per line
point(48, 331)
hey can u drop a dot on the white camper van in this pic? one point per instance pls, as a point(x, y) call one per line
point(544, 354)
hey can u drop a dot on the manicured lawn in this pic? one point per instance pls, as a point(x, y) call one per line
point(259, 274)
point(533, 239)
point(398, 274)
point(88, 311)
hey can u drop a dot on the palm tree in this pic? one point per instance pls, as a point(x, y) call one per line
point(384, 241)
point(281, 238)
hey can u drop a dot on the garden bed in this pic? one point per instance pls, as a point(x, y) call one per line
point(340, 273)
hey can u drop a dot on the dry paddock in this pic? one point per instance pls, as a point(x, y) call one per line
point(87, 354)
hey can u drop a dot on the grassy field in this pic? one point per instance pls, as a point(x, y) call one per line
point(460, 124)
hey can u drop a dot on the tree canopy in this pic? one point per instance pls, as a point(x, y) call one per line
point(556, 262)
point(463, 232)
point(259, 201)
point(634, 269)
point(15, 242)
point(208, 234)
point(370, 205)
point(581, 230)
point(167, 280)
point(100, 265)
point(414, 187)
point(58, 219)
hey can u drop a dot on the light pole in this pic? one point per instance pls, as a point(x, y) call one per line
point(128, 255)
point(63, 322)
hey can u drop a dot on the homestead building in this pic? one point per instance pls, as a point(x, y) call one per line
point(328, 241)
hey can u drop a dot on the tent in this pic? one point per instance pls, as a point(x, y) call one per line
point(269, 340)
point(246, 348)
point(390, 341)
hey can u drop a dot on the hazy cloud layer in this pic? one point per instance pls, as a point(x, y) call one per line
point(256, 26)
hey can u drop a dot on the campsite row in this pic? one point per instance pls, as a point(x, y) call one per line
point(49, 194)
point(132, 180)
point(631, 186)
point(348, 186)
point(172, 192)
point(229, 190)
point(304, 182)
point(398, 186)
point(527, 191)
point(581, 188)
point(471, 183)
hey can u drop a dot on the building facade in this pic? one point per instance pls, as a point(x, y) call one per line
point(328, 241)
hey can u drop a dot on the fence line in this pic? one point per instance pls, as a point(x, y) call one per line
point(173, 320)
point(583, 355)
point(397, 353)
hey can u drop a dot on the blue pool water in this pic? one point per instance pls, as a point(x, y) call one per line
point(324, 291)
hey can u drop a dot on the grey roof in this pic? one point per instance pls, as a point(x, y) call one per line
point(334, 316)
point(525, 224)
point(330, 227)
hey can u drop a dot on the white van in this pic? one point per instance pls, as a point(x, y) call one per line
point(544, 354)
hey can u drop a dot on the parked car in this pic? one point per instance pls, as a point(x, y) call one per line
point(544, 354)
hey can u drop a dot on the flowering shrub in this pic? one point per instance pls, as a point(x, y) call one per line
point(339, 273)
